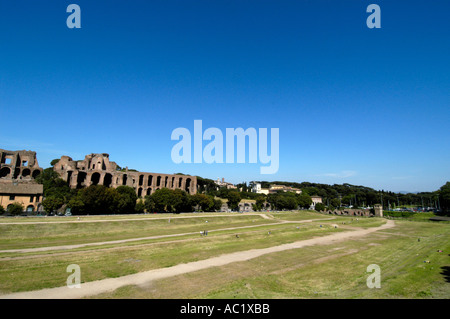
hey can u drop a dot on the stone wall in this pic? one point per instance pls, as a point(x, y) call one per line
point(349, 212)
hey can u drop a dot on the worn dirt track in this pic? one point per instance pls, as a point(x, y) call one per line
point(142, 278)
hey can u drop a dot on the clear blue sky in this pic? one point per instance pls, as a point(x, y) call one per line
point(353, 105)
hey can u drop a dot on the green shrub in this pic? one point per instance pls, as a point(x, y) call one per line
point(15, 209)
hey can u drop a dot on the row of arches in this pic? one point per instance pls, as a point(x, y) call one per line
point(350, 213)
point(144, 184)
point(6, 172)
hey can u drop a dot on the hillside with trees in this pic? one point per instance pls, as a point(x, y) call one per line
point(99, 199)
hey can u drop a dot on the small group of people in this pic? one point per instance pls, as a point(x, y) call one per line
point(204, 232)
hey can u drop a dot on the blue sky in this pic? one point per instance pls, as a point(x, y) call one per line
point(353, 105)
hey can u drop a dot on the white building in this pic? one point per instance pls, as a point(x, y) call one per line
point(315, 200)
point(257, 189)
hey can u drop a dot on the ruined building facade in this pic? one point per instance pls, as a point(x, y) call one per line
point(97, 169)
point(18, 170)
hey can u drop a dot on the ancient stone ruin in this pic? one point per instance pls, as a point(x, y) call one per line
point(18, 170)
point(18, 165)
point(97, 169)
point(378, 212)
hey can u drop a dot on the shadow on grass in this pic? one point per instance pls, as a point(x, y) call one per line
point(446, 273)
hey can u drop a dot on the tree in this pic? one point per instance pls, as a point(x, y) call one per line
point(2, 210)
point(52, 203)
point(95, 200)
point(54, 187)
point(260, 200)
point(444, 197)
point(319, 207)
point(334, 202)
point(140, 206)
point(202, 202)
point(304, 200)
point(126, 203)
point(234, 197)
point(170, 201)
point(15, 209)
point(149, 204)
point(217, 204)
point(182, 201)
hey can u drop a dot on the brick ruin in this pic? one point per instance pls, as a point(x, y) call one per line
point(97, 169)
point(18, 165)
point(18, 170)
point(377, 211)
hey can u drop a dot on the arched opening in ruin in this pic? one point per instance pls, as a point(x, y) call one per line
point(180, 181)
point(26, 172)
point(81, 178)
point(149, 191)
point(69, 176)
point(95, 178)
point(16, 173)
point(150, 180)
point(107, 180)
point(158, 181)
point(124, 180)
point(165, 181)
point(30, 208)
point(141, 180)
point(188, 185)
point(36, 173)
point(140, 192)
point(172, 185)
point(5, 171)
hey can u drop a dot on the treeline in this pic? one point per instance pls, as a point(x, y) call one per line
point(361, 196)
point(99, 199)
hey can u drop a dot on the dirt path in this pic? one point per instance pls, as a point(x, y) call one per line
point(106, 285)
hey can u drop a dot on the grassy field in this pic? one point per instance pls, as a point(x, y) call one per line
point(336, 270)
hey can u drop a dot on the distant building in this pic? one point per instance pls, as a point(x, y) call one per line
point(274, 189)
point(283, 188)
point(315, 200)
point(257, 189)
point(222, 183)
point(18, 170)
point(29, 195)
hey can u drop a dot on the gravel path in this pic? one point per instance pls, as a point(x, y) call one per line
point(142, 278)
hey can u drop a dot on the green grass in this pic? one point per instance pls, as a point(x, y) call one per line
point(41, 235)
point(330, 271)
point(337, 270)
point(27, 273)
point(297, 215)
